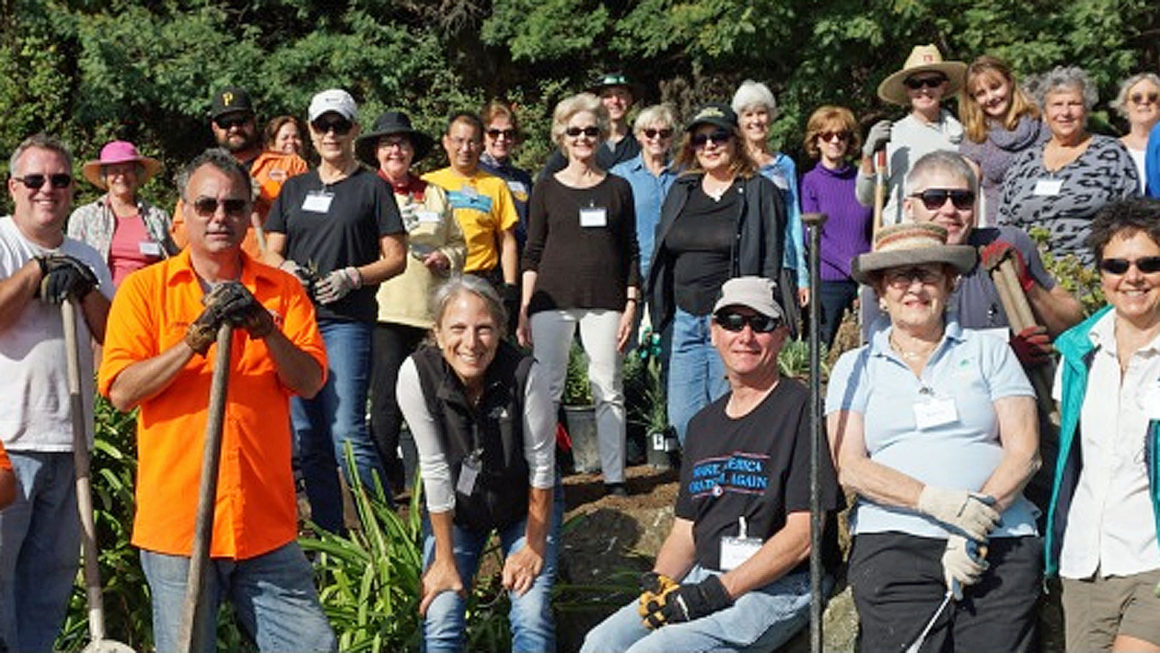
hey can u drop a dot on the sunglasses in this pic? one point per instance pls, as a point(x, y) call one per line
point(591, 131)
point(735, 322)
point(653, 133)
point(235, 120)
point(1140, 98)
point(719, 137)
point(340, 126)
point(35, 181)
point(494, 133)
point(934, 198)
point(915, 83)
point(840, 135)
point(207, 207)
point(1146, 265)
point(902, 278)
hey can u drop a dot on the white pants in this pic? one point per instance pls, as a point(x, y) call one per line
point(552, 333)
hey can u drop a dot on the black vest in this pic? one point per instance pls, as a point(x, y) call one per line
point(493, 429)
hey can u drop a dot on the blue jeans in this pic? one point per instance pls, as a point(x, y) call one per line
point(696, 373)
point(334, 417)
point(40, 545)
point(272, 594)
point(759, 620)
point(835, 298)
point(533, 631)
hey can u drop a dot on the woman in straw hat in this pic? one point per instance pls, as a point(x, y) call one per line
point(934, 428)
point(129, 232)
point(922, 84)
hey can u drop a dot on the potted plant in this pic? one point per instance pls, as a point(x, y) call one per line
point(580, 412)
point(661, 445)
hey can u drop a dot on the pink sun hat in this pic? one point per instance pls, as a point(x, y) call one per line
point(119, 152)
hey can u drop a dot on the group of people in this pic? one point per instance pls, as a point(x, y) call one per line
point(360, 280)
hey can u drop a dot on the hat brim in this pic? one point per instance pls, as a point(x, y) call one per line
point(892, 89)
point(716, 122)
point(960, 257)
point(366, 144)
point(92, 170)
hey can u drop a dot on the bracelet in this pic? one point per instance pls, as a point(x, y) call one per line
point(634, 300)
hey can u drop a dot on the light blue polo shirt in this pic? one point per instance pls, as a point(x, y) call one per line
point(970, 368)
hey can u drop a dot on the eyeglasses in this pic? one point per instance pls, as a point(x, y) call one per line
point(651, 133)
point(719, 137)
point(840, 135)
point(207, 207)
point(901, 278)
point(934, 198)
point(915, 83)
point(590, 131)
point(735, 322)
point(233, 120)
point(1146, 265)
point(35, 181)
point(340, 126)
point(460, 143)
point(509, 134)
point(1140, 98)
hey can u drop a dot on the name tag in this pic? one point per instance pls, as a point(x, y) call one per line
point(935, 412)
point(736, 550)
point(1048, 186)
point(429, 217)
point(519, 190)
point(317, 202)
point(594, 217)
point(468, 472)
point(149, 248)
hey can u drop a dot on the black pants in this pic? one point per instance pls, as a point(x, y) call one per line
point(898, 585)
point(392, 344)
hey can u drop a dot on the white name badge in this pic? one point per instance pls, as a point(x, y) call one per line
point(149, 248)
point(317, 202)
point(736, 550)
point(1048, 186)
point(594, 217)
point(518, 188)
point(467, 475)
point(429, 217)
point(935, 412)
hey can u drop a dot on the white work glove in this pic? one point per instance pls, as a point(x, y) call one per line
point(877, 139)
point(962, 565)
point(968, 512)
point(337, 285)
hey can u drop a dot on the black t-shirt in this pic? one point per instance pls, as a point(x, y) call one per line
point(701, 243)
point(757, 467)
point(362, 210)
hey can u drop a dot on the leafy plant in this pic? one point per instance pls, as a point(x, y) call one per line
point(1082, 281)
point(652, 412)
point(794, 360)
point(577, 389)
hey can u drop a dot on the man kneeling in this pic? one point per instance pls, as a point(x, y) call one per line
point(740, 543)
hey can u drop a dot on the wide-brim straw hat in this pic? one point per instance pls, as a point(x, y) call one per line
point(907, 244)
point(923, 58)
point(119, 152)
point(390, 123)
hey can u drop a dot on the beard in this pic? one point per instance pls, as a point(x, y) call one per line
point(239, 141)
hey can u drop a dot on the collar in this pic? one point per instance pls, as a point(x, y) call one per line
point(1103, 337)
point(488, 159)
point(844, 171)
point(413, 186)
point(179, 269)
point(879, 344)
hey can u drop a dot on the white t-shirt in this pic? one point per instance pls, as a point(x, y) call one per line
point(34, 401)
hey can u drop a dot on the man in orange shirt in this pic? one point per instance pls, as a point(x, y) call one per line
point(159, 356)
point(232, 120)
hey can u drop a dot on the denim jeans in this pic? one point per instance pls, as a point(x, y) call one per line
point(696, 373)
point(835, 298)
point(40, 544)
point(533, 631)
point(272, 594)
point(334, 417)
point(759, 620)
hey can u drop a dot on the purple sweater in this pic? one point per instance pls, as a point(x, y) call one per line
point(846, 233)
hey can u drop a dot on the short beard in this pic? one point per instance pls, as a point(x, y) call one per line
point(248, 143)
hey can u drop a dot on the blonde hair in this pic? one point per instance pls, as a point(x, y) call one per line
point(648, 116)
point(570, 106)
point(974, 119)
point(822, 119)
point(1120, 104)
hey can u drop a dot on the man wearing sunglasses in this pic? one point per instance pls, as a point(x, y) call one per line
point(159, 357)
point(234, 127)
point(733, 573)
point(40, 268)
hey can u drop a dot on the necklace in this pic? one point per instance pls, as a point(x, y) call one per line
point(911, 355)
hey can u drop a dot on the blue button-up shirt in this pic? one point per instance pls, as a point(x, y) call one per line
point(648, 194)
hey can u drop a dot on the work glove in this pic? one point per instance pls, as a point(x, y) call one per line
point(995, 253)
point(962, 564)
point(654, 591)
point(308, 277)
point(244, 311)
point(511, 304)
point(689, 602)
point(969, 512)
point(1032, 346)
point(337, 285)
point(220, 302)
point(877, 139)
point(63, 277)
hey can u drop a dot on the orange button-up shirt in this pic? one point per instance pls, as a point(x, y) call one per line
point(256, 507)
point(269, 171)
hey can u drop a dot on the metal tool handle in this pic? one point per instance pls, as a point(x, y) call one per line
point(814, 222)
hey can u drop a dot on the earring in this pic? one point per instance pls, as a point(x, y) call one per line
point(882, 305)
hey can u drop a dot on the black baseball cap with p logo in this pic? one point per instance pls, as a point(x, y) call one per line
point(231, 99)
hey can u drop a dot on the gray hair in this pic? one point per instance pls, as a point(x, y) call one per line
point(1120, 104)
point(1063, 78)
point(44, 142)
point(754, 94)
point(222, 160)
point(648, 116)
point(460, 284)
point(579, 103)
point(945, 161)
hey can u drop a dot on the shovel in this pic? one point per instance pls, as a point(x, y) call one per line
point(99, 643)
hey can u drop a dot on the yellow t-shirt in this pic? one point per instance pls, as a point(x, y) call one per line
point(484, 207)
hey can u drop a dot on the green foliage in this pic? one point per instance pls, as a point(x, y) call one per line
point(1082, 281)
point(577, 389)
point(794, 360)
point(642, 368)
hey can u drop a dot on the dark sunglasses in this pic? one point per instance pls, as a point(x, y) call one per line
point(509, 134)
point(735, 322)
point(233, 120)
point(915, 83)
point(590, 131)
point(207, 207)
point(653, 133)
point(840, 135)
point(934, 198)
point(1139, 98)
point(340, 126)
point(721, 136)
point(35, 181)
point(1146, 265)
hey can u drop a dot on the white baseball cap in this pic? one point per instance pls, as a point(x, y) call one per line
point(336, 100)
